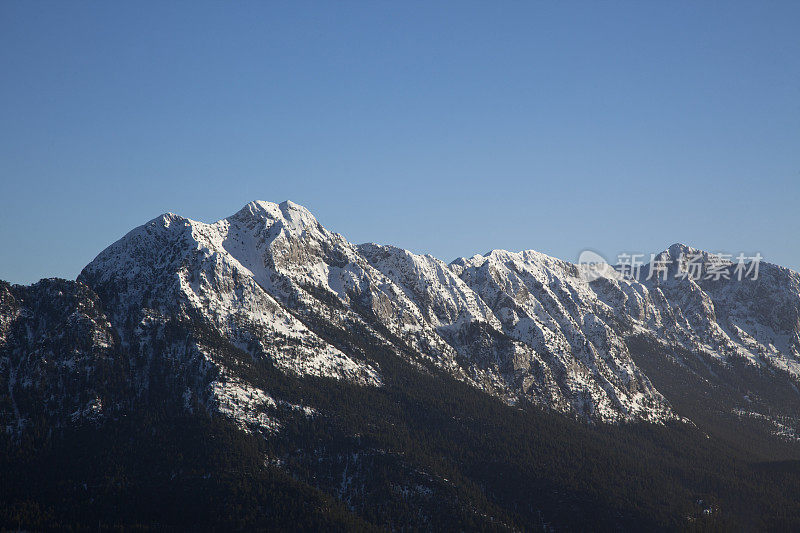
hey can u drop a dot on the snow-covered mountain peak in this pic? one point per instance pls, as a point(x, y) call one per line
point(678, 247)
point(503, 262)
point(500, 255)
point(460, 263)
point(679, 252)
point(290, 216)
point(169, 218)
point(219, 275)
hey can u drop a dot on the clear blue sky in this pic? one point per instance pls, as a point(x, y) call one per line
point(448, 128)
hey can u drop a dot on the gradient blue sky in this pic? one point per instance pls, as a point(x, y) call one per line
point(445, 128)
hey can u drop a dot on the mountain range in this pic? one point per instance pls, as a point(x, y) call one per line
point(328, 384)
